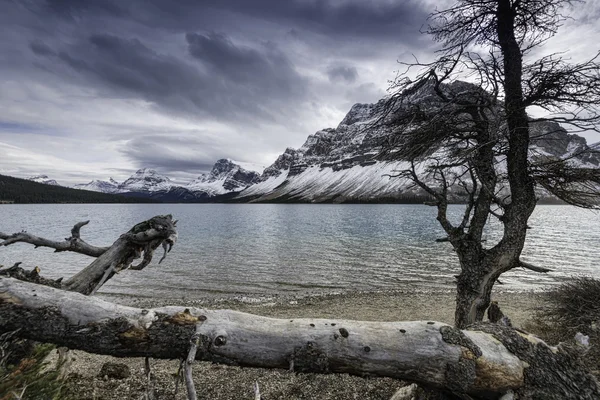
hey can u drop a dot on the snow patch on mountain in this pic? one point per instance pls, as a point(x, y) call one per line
point(43, 179)
point(146, 180)
point(358, 183)
point(267, 185)
point(226, 176)
point(110, 186)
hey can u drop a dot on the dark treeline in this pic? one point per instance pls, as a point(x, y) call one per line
point(15, 190)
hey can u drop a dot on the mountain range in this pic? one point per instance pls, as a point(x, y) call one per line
point(334, 165)
point(225, 177)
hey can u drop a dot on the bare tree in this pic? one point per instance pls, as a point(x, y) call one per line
point(472, 140)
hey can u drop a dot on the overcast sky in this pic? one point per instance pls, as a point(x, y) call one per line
point(96, 88)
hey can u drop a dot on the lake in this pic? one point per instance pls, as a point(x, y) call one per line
point(268, 249)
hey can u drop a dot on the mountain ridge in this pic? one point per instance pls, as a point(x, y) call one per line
point(340, 164)
point(334, 165)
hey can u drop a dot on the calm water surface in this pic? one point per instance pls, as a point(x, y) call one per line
point(265, 249)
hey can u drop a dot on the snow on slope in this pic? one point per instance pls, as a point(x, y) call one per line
point(340, 164)
point(146, 180)
point(226, 176)
point(110, 186)
point(43, 179)
point(362, 183)
point(267, 185)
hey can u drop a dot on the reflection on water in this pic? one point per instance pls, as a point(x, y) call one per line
point(295, 248)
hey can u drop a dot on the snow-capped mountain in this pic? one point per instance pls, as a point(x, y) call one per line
point(43, 179)
point(340, 165)
point(226, 176)
point(146, 180)
point(110, 186)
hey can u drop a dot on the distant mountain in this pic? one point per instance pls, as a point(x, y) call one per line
point(225, 177)
point(146, 181)
point(339, 165)
point(43, 179)
point(110, 186)
point(16, 190)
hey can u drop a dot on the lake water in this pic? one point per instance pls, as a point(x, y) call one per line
point(267, 249)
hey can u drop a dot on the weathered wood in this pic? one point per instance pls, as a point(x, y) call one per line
point(187, 371)
point(144, 238)
point(73, 243)
point(534, 268)
point(140, 240)
point(484, 362)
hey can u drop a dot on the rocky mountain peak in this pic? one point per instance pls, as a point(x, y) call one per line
point(145, 180)
point(225, 176)
point(110, 186)
point(361, 112)
point(550, 139)
point(144, 173)
point(283, 162)
point(223, 167)
point(43, 179)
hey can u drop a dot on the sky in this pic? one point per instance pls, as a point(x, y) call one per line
point(91, 89)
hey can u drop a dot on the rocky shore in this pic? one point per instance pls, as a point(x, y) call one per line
point(218, 382)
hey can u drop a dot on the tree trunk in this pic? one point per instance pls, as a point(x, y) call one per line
point(481, 268)
point(473, 292)
point(485, 361)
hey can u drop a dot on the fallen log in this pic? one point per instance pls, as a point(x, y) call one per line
point(485, 361)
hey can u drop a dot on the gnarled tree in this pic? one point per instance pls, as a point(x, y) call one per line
point(476, 136)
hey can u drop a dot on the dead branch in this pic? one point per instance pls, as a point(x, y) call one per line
point(189, 380)
point(73, 243)
point(534, 268)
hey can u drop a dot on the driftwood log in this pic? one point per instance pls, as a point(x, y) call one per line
point(143, 239)
point(485, 361)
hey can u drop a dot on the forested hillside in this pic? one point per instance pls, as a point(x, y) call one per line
point(15, 190)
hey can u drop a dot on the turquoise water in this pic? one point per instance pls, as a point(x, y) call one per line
point(267, 249)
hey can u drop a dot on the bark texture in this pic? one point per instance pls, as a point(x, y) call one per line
point(485, 361)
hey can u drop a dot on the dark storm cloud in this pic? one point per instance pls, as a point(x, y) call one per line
point(337, 17)
point(267, 71)
point(341, 73)
point(239, 81)
point(173, 153)
point(76, 8)
point(256, 75)
point(380, 19)
point(41, 49)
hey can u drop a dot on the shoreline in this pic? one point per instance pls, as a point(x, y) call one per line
point(392, 304)
point(220, 382)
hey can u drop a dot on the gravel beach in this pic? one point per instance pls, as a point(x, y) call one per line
point(218, 382)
